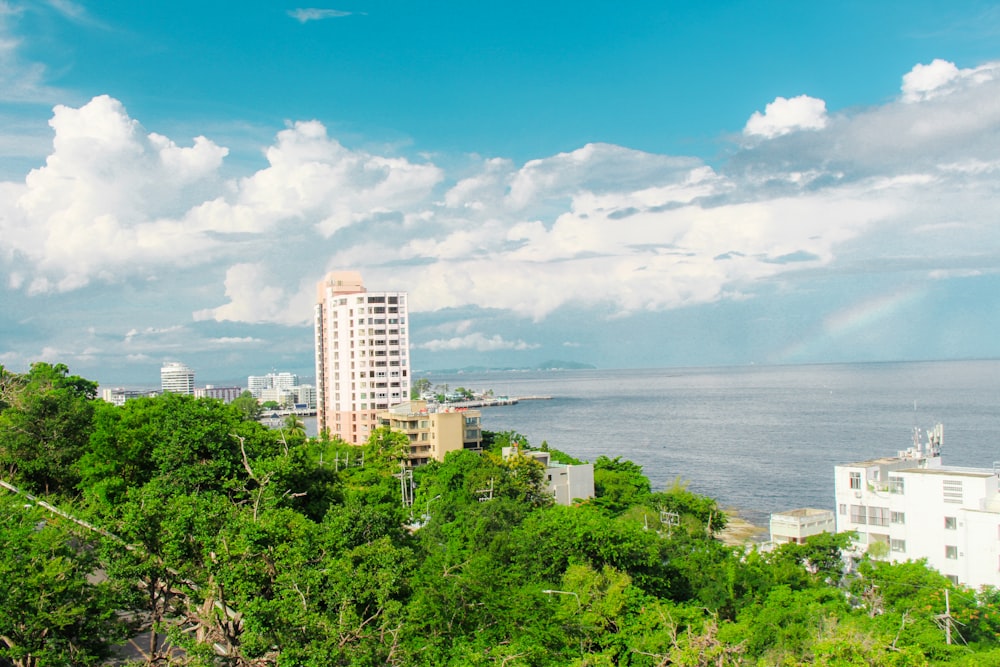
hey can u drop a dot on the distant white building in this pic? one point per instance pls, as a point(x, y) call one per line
point(919, 508)
point(307, 396)
point(224, 394)
point(119, 395)
point(283, 397)
point(565, 482)
point(286, 383)
point(176, 378)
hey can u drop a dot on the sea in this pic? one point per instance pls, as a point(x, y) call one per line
point(759, 439)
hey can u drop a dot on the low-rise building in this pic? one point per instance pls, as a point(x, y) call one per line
point(916, 507)
point(566, 482)
point(798, 524)
point(119, 395)
point(433, 432)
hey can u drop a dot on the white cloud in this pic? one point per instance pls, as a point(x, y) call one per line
point(475, 341)
point(101, 203)
point(20, 80)
point(116, 202)
point(783, 116)
point(602, 227)
point(251, 299)
point(941, 77)
point(314, 14)
point(236, 340)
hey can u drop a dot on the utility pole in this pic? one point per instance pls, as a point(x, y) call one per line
point(946, 617)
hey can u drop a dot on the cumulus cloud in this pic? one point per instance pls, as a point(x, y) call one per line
point(253, 299)
point(602, 227)
point(115, 201)
point(313, 177)
point(784, 115)
point(102, 201)
point(941, 77)
point(475, 341)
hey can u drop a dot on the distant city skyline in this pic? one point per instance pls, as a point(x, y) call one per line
point(648, 185)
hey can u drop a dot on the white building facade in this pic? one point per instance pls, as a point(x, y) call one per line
point(799, 524)
point(176, 378)
point(567, 483)
point(118, 396)
point(284, 382)
point(362, 355)
point(224, 394)
point(919, 508)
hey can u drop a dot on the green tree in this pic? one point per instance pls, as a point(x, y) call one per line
point(44, 427)
point(51, 613)
point(248, 406)
point(189, 444)
point(420, 387)
point(619, 484)
point(699, 513)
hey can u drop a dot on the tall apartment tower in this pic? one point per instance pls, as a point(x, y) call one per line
point(362, 355)
point(176, 378)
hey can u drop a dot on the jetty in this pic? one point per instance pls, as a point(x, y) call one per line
point(495, 401)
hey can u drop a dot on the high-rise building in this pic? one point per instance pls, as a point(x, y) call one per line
point(176, 378)
point(362, 355)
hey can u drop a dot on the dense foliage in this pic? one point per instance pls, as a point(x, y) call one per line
point(211, 540)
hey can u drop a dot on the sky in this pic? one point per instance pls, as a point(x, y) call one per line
point(648, 184)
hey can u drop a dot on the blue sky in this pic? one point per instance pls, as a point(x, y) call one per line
point(628, 184)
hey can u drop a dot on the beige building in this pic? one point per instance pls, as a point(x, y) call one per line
point(433, 433)
point(362, 355)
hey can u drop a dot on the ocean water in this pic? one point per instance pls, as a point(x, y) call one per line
point(759, 439)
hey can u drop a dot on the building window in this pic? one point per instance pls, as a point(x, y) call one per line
point(897, 517)
point(843, 509)
point(897, 545)
point(855, 480)
point(896, 485)
point(952, 578)
point(878, 516)
point(950, 523)
point(951, 552)
point(858, 514)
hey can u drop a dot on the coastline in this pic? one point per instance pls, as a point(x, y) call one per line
point(739, 531)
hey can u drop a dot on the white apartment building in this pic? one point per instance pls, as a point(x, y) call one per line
point(224, 394)
point(920, 508)
point(285, 382)
point(362, 355)
point(176, 378)
point(307, 395)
